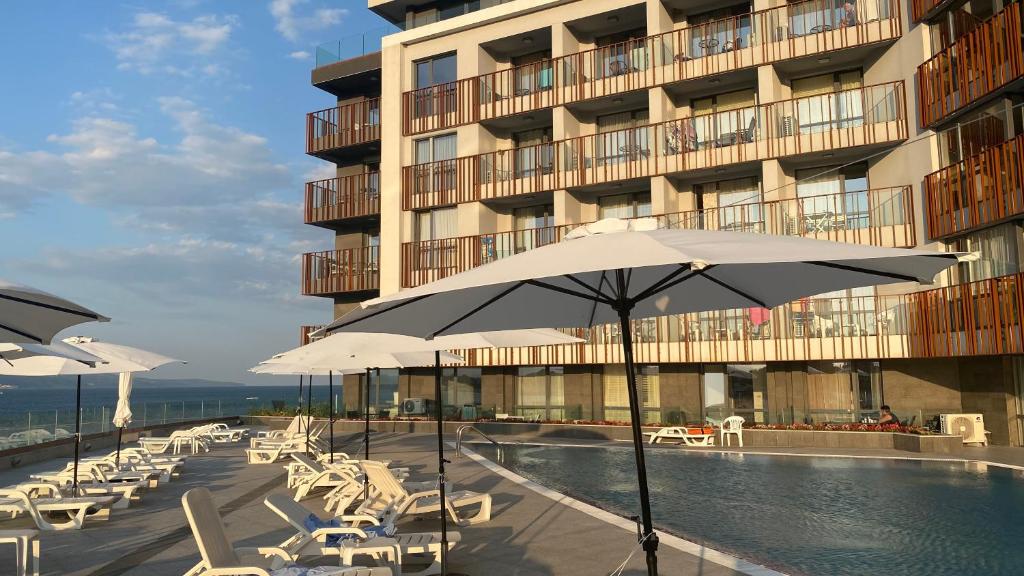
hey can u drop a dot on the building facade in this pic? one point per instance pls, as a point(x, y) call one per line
point(482, 129)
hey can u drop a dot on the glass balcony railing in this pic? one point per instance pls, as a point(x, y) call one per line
point(352, 46)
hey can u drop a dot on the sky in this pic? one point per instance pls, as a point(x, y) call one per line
point(152, 167)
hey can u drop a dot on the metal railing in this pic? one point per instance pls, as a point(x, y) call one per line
point(343, 125)
point(338, 271)
point(743, 41)
point(470, 428)
point(344, 197)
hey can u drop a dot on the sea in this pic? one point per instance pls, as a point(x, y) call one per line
point(26, 407)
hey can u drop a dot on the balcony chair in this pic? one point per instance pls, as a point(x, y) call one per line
point(731, 426)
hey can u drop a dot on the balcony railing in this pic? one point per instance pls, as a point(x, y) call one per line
point(749, 40)
point(881, 217)
point(340, 271)
point(861, 116)
point(976, 65)
point(305, 331)
point(352, 46)
point(337, 199)
point(979, 318)
point(978, 191)
point(344, 125)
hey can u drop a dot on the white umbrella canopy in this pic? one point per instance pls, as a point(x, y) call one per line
point(614, 271)
point(299, 370)
point(30, 315)
point(10, 351)
point(124, 358)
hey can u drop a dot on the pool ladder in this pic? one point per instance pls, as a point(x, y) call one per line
point(470, 428)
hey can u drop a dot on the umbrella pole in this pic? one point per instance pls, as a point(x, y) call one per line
point(117, 459)
point(440, 463)
point(649, 539)
point(300, 402)
point(309, 407)
point(366, 433)
point(78, 432)
point(330, 409)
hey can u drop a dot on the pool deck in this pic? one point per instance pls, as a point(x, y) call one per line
point(530, 533)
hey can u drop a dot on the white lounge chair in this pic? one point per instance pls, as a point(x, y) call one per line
point(125, 492)
point(732, 426)
point(306, 542)
point(221, 432)
point(389, 492)
point(221, 558)
point(689, 435)
point(16, 502)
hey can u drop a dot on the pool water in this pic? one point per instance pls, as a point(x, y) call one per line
point(806, 515)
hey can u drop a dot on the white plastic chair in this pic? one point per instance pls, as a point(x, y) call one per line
point(731, 426)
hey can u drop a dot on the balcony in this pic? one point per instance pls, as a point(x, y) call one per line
point(983, 62)
point(345, 131)
point(336, 272)
point(881, 217)
point(334, 200)
point(786, 32)
point(873, 115)
point(979, 191)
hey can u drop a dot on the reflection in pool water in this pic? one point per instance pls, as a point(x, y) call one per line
point(806, 515)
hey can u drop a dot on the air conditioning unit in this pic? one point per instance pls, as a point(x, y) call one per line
point(970, 427)
point(416, 406)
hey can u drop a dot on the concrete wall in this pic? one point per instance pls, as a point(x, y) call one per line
point(987, 385)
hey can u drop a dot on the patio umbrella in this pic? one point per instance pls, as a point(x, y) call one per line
point(308, 371)
point(614, 271)
point(113, 359)
point(132, 360)
point(10, 351)
point(30, 315)
point(339, 345)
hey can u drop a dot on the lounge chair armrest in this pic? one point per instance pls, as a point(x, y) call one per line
point(321, 534)
point(265, 551)
point(425, 494)
point(239, 571)
point(372, 520)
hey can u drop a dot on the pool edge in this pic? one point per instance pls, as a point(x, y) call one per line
point(681, 544)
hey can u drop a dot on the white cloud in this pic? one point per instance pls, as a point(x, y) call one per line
point(300, 55)
point(294, 26)
point(154, 39)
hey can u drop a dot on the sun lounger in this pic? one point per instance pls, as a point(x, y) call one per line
point(388, 491)
point(125, 492)
point(689, 435)
point(16, 502)
point(315, 542)
point(196, 439)
point(221, 558)
point(223, 433)
point(314, 436)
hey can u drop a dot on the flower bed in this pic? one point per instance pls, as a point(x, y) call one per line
point(844, 427)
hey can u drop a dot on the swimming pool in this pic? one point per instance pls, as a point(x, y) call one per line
point(806, 515)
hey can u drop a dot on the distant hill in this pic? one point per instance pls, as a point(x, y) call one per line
point(110, 380)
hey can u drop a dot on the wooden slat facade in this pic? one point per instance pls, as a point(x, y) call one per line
point(340, 271)
point(862, 116)
point(790, 31)
point(980, 62)
point(979, 191)
point(336, 199)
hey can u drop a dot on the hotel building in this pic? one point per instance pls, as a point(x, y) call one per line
point(484, 128)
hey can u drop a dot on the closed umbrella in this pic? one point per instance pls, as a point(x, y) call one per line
point(113, 359)
point(30, 315)
point(339, 345)
point(123, 411)
point(614, 271)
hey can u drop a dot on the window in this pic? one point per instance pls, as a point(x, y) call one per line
point(724, 119)
point(460, 392)
point(533, 73)
point(730, 205)
point(435, 85)
point(997, 249)
point(849, 312)
point(717, 31)
point(620, 53)
point(436, 70)
point(622, 137)
point(836, 198)
point(616, 393)
point(534, 226)
point(829, 101)
point(432, 226)
point(540, 392)
point(435, 164)
point(634, 205)
point(736, 390)
point(843, 391)
point(383, 391)
point(435, 12)
point(534, 154)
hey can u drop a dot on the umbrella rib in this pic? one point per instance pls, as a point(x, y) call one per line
point(593, 305)
point(733, 289)
point(678, 281)
point(330, 329)
point(657, 285)
point(489, 301)
point(864, 270)
point(20, 333)
point(602, 298)
point(92, 315)
point(596, 291)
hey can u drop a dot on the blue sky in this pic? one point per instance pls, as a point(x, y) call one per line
point(151, 167)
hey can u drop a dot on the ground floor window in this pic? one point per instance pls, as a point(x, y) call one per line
point(540, 392)
point(735, 390)
point(616, 393)
point(383, 392)
point(460, 389)
point(843, 391)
